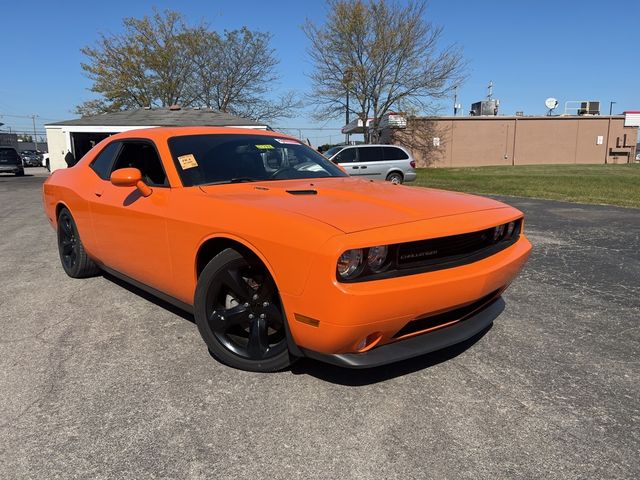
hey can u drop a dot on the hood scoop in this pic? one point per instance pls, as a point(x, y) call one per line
point(302, 192)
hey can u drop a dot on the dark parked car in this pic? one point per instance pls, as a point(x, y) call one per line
point(31, 158)
point(10, 161)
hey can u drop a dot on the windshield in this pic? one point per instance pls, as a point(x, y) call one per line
point(229, 158)
point(332, 151)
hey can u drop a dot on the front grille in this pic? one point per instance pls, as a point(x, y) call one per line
point(454, 248)
point(439, 253)
point(456, 314)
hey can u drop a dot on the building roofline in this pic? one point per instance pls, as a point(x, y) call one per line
point(164, 117)
point(528, 117)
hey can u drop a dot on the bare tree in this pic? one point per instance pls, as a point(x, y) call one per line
point(384, 54)
point(236, 72)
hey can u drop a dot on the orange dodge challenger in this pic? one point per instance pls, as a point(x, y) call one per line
point(280, 254)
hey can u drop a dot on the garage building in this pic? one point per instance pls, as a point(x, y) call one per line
point(80, 135)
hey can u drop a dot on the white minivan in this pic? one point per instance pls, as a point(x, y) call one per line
point(381, 162)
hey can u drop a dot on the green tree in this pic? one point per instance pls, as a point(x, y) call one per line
point(386, 55)
point(149, 64)
point(160, 61)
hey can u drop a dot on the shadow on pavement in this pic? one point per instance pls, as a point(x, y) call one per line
point(324, 371)
point(149, 297)
point(361, 377)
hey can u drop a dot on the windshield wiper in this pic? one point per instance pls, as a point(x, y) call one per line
point(232, 180)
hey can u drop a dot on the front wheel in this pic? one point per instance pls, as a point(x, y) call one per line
point(395, 178)
point(239, 313)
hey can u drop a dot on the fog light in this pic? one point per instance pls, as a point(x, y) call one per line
point(510, 227)
point(498, 232)
point(368, 342)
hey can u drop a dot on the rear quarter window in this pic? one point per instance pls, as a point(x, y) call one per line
point(394, 153)
point(103, 161)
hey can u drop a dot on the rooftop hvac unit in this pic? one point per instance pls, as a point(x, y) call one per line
point(485, 108)
point(589, 108)
point(393, 120)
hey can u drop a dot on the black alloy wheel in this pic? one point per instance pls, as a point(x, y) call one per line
point(67, 241)
point(75, 261)
point(239, 313)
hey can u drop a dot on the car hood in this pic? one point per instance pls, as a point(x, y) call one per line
point(352, 204)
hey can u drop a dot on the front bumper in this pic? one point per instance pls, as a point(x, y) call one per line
point(410, 176)
point(334, 318)
point(418, 345)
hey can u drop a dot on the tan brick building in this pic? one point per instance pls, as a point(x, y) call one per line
point(496, 140)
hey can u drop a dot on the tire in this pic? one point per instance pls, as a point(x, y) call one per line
point(395, 178)
point(75, 261)
point(239, 313)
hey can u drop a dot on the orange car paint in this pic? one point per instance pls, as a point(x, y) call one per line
point(155, 240)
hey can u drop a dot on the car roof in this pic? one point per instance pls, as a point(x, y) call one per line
point(163, 133)
point(372, 145)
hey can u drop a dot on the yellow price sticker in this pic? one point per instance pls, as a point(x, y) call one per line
point(187, 161)
point(264, 147)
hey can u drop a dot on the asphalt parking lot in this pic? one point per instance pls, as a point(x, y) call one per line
point(98, 380)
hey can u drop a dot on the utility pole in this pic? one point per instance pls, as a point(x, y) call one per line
point(455, 100)
point(35, 139)
point(348, 77)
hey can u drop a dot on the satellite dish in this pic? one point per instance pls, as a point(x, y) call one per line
point(551, 103)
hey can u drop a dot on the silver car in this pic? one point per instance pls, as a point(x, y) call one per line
point(381, 162)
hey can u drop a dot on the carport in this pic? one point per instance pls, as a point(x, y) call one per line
point(78, 136)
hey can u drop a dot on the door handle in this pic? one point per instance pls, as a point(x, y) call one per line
point(355, 168)
point(98, 193)
point(363, 167)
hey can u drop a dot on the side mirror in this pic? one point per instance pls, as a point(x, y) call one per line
point(130, 177)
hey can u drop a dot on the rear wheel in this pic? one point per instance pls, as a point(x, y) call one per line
point(75, 261)
point(395, 177)
point(239, 313)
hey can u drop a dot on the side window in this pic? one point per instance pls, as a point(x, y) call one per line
point(143, 156)
point(102, 163)
point(394, 153)
point(347, 155)
point(370, 154)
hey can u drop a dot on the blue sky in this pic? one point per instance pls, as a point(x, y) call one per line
point(569, 49)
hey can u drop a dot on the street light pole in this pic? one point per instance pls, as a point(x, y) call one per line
point(35, 139)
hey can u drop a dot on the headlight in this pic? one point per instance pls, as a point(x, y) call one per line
point(377, 257)
point(349, 263)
